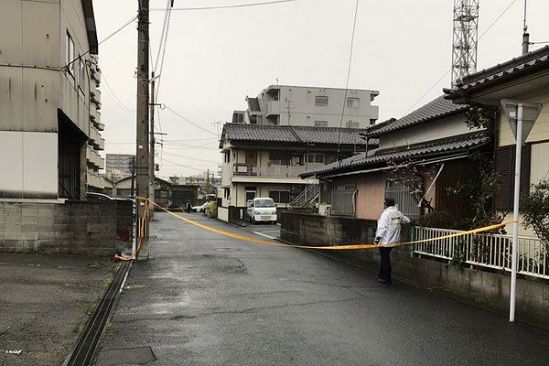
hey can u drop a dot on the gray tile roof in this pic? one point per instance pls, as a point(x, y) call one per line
point(461, 143)
point(437, 108)
point(292, 134)
point(523, 65)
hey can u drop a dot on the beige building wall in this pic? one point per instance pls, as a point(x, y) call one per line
point(445, 127)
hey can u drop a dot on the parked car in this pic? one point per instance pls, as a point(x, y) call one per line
point(262, 209)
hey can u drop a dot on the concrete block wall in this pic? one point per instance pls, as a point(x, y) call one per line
point(489, 289)
point(89, 228)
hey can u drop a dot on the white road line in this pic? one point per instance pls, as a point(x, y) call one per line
point(265, 235)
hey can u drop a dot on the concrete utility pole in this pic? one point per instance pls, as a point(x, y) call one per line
point(142, 109)
point(152, 142)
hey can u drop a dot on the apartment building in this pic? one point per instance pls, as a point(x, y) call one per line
point(286, 105)
point(50, 120)
point(266, 161)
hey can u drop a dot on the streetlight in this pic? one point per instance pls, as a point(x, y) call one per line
point(521, 118)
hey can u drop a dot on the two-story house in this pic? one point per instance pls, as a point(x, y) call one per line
point(266, 161)
point(421, 156)
point(49, 101)
point(287, 105)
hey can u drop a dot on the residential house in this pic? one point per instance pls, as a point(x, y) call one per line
point(419, 157)
point(125, 188)
point(287, 105)
point(526, 79)
point(266, 161)
point(49, 101)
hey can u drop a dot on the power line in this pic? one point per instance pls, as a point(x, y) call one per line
point(447, 71)
point(348, 77)
point(189, 121)
point(114, 97)
point(228, 6)
point(191, 158)
point(105, 39)
point(182, 165)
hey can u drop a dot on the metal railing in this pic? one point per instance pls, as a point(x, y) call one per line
point(273, 170)
point(309, 194)
point(484, 250)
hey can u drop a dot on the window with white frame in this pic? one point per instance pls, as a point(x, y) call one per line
point(315, 158)
point(69, 57)
point(321, 123)
point(280, 196)
point(321, 100)
point(353, 102)
point(353, 124)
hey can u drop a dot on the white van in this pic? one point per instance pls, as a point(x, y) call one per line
point(262, 209)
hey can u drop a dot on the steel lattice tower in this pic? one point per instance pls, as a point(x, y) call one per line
point(464, 49)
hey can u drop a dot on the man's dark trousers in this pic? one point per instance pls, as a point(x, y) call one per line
point(385, 271)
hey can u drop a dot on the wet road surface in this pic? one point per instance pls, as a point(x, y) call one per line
point(204, 299)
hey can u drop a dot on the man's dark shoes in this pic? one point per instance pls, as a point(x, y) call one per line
point(382, 280)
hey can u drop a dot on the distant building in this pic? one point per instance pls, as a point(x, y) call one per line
point(119, 164)
point(49, 102)
point(286, 105)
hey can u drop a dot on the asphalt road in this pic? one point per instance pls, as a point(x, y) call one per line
point(205, 299)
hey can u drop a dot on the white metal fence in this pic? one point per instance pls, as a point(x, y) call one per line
point(484, 250)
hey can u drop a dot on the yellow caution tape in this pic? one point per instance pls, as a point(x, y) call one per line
point(327, 247)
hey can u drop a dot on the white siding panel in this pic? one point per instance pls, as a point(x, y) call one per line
point(40, 164)
point(11, 183)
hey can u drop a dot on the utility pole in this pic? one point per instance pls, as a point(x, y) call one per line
point(142, 117)
point(152, 142)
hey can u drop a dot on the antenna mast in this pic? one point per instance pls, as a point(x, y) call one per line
point(464, 49)
point(525, 34)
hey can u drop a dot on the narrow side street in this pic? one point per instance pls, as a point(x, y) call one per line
point(204, 299)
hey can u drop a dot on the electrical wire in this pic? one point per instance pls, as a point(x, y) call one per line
point(114, 97)
point(228, 6)
point(182, 165)
point(191, 158)
point(347, 81)
point(105, 39)
point(450, 69)
point(189, 121)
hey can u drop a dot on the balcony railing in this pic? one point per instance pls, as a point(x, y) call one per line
point(272, 171)
point(484, 250)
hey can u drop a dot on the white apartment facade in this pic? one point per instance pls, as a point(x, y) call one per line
point(50, 123)
point(287, 105)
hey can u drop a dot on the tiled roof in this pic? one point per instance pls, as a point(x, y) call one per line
point(253, 104)
point(436, 148)
point(292, 134)
point(519, 66)
point(437, 108)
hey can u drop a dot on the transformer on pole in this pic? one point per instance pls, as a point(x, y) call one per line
point(464, 49)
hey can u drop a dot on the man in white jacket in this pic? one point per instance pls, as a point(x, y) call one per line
point(387, 234)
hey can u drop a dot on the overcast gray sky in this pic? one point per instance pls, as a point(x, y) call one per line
point(214, 58)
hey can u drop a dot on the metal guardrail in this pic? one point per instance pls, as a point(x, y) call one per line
point(309, 194)
point(485, 250)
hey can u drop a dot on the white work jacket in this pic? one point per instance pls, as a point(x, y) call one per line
point(388, 225)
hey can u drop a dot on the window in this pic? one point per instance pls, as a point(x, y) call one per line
point(321, 123)
point(353, 102)
point(353, 124)
point(227, 193)
point(82, 74)
point(321, 101)
point(227, 158)
point(279, 158)
point(315, 158)
point(69, 58)
point(280, 196)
